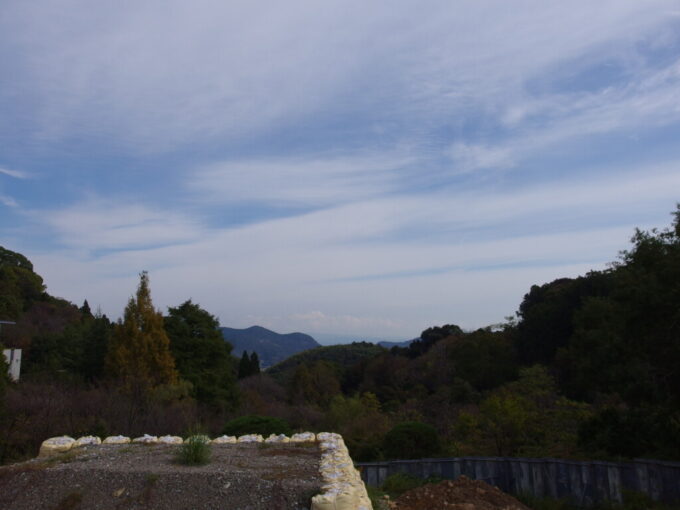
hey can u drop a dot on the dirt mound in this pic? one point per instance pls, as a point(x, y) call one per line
point(462, 494)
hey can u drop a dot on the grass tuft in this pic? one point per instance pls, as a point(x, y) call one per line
point(195, 451)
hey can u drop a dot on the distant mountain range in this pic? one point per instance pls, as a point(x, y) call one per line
point(336, 339)
point(271, 347)
point(389, 345)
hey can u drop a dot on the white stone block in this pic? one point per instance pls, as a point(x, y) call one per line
point(87, 440)
point(116, 440)
point(55, 445)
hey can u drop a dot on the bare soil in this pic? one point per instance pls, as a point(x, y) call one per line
point(137, 476)
point(462, 494)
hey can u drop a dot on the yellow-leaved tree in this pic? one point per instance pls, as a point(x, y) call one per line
point(139, 352)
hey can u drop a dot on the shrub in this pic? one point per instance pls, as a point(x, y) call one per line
point(254, 424)
point(398, 483)
point(411, 440)
point(195, 451)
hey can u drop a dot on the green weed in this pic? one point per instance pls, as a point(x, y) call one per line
point(195, 451)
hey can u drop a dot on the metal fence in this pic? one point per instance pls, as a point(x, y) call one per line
point(584, 483)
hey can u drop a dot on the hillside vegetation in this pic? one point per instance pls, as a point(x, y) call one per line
point(339, 357)
point(588, 368)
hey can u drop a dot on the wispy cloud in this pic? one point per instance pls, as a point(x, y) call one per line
point(17, 174)
point(312, 181)
point(468, 157)
point(102, 224)
point(8, 201)
point(350, 163)
point(101, 74)
point(353, 258)
point(548, 121)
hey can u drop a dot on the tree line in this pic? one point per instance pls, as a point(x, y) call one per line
point(588, 368)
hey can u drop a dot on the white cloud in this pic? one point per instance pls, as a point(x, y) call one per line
point(351, 259)
point(17, 174)
point(104, 224)
point(467, 157)
point(315, 181)
point(555, 120)
point(391, 240)
point(160, 74)
point(8, 201)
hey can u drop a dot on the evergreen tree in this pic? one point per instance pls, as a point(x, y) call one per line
point(85, 309)
point(254, 364)
point(140, 349)
point(203, 357)
point(244, 366)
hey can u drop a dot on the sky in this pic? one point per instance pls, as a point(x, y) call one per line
point(346, 168)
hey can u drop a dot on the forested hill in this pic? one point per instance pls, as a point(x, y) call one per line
point(335, 357)
point(271, 347)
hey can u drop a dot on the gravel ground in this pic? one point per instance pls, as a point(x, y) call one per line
point(108, 477)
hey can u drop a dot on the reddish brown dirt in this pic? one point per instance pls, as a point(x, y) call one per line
point(463, 494)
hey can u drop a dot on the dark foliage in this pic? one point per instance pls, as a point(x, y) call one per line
point(428, 338)
point(249, 365)
point(411, 440)
point(253, 424)
point(202, 357)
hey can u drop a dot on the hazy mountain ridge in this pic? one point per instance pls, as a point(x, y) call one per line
point(271, 347)
point(389, 345)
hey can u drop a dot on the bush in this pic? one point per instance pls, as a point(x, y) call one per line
point(398, 483)
point(195, 451)
point(411, 440)
point(254, 424)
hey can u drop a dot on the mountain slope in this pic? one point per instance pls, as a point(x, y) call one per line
point(344, 356)
point(271, 347)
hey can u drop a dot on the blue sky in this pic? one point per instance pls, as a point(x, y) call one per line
point(348, 168)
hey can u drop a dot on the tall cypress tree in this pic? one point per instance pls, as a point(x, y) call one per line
point(140, 349)
point(254, 364)
point(244, 366)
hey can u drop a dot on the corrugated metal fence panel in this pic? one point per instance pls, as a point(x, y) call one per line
point(584, 483)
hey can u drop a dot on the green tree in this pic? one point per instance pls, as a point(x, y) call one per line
point(485, 359)
point(625, 349)
point(361, 422)
point(20, 287)
point(202, 356)
point(255, 424)
point(547, 312)
point(139, 351)
point(427, 339)
point(524, 417)
point(411, 440)
point(85, 309)
point(77, 351)
point(254, 363)
point(244, 366)
point(314, 384)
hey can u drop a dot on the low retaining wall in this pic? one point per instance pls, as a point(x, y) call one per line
point(342, 487)
point(585, 483)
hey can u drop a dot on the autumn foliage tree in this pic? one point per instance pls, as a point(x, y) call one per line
point(140, 349)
